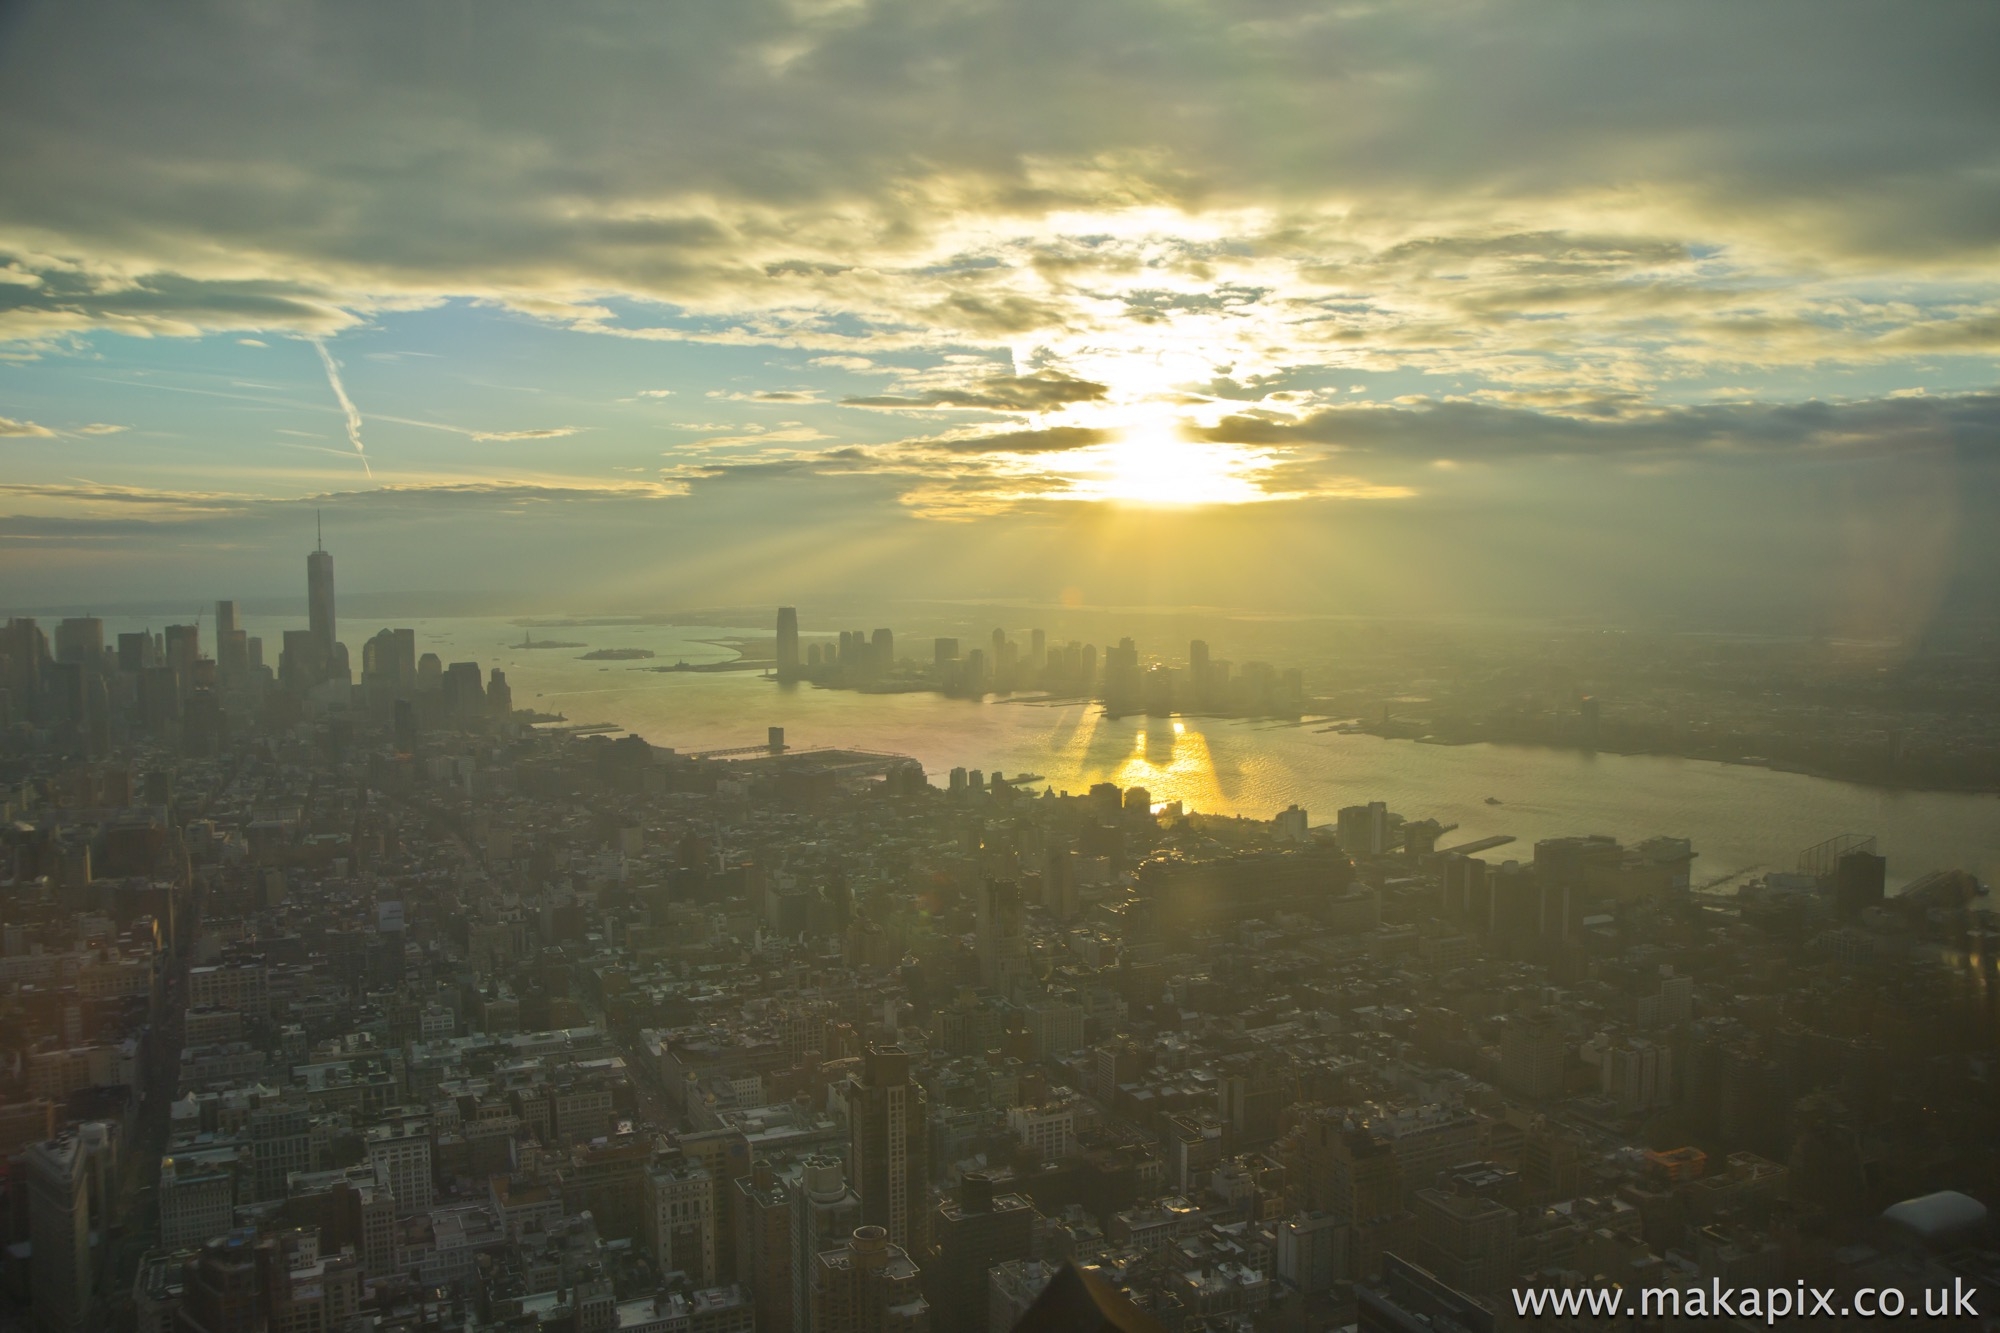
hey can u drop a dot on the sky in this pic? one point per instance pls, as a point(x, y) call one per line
point(1689, 310)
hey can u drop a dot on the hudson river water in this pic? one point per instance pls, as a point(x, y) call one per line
point(1739, 817)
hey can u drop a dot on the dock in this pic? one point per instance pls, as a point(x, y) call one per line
point(1477, 845)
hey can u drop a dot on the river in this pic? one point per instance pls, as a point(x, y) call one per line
point(1739, 817)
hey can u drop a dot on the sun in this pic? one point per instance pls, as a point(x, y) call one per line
point(1155, 468)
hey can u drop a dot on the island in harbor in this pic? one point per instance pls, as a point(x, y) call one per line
point(733, 664)
point(616, 655)
point(529, 641)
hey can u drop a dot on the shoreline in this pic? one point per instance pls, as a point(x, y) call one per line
point(1735, 761)
point(1319, 723)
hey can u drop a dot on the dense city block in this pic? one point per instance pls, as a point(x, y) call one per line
point(348, 999)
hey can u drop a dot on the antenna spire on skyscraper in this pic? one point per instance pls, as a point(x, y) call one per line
point(319, 531)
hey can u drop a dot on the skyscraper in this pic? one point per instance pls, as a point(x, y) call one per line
point(887, 1117)
point(227, 621)
point(232, 654)
point(1002, 937)
point(788, 642)
point(81, 639)
point(762, 1214)
point(59, 1226)
point(24, 654)
point(824, 1212)
point(135, 652)
point(319, 600)
point(183, 651)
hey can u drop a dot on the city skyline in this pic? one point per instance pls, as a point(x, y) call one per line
point(998, 666)
point(1266, 306)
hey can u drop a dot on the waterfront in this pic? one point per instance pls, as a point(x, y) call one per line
point(1739, 816)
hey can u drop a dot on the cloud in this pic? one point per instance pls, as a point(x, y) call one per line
point(148, 296)
point(81, 498)
point(100, 428)
point(1042, 391)
point(656, 393)
point(765, 396)
point(508, 491)
point(790, 432)
point(20, 429)
point(1472, 431)
point(878, 185)
point(1045, 440)
point(545, 433)
point(1060, 215)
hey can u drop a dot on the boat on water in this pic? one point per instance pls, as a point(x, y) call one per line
point(1494, 800)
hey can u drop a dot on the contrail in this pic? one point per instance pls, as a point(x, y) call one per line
point(346, 405)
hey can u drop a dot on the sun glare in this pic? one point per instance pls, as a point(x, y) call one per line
point(1158, 470)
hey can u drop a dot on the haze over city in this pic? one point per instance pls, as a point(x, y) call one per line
point(998, 666)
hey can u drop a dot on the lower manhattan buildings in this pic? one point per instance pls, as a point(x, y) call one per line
point(357, 1005)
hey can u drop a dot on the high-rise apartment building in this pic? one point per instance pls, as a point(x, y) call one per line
point(232, 656)
point(135, 652)
point(824, 1213)
point(972, 1231)
point(1002, 937)
point(788, 642)
point(869, 1285)
point(1532, 1053)
point(762, 1213)
point(887, 1117)
point(1363, 830)
point(301, 665)
point(183, 651)
point(680, 1202)
point(81, 639)
point(24, 653)
point(389, 663)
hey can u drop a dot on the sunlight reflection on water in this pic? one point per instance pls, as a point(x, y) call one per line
point(1739, 817)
